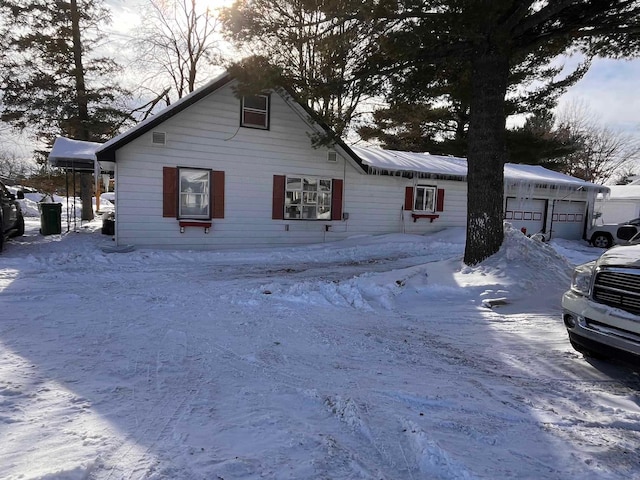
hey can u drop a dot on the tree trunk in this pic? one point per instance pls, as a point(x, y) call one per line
point(82, 127)
point(486, 157)
point(86, 193)
point(82, 123)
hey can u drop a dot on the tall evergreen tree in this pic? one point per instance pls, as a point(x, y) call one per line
point(494, 38)
point(541, 142)
point(52, 81)
point(429, 105)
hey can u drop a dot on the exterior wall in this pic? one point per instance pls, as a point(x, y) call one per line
point(621, 205)
point(375, 204)
point(207, 135)
point(617, 210)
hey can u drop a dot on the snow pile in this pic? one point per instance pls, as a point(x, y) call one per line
point(523, 265)
point(31, 200)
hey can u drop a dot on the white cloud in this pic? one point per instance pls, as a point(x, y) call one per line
point(609, 90)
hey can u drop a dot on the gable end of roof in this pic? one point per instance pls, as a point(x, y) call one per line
point(108, 151)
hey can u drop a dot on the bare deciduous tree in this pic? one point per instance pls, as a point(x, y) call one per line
point(602, 153)
point(14, 168)
point(177, 48)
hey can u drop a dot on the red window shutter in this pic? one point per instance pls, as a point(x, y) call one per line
point(440, 200)
point(278, 197)
point(169, 192)
point(408, 198)
point(337, 186)
point(217, 194)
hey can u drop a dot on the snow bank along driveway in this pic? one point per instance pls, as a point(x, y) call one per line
point(373, 358)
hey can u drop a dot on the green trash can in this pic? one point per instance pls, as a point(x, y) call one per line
point(50, 218)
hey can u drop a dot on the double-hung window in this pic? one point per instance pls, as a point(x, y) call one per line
point(255, 111)
point(307, 198)
point(194, 193)
point(425, 198)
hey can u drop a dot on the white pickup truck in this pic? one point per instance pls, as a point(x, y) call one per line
point(601, 311)
point(610, 234)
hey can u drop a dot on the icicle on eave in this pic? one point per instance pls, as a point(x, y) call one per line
point(371, 170)
point(522, 190)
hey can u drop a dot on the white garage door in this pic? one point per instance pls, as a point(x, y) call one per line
point(526, 213)
point(568, 220)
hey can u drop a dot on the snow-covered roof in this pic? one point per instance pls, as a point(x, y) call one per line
point(76, 154)
point(375, 159)
point(396, 161)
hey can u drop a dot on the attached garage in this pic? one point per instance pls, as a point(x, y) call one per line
point(568, 219)
point(526, 214)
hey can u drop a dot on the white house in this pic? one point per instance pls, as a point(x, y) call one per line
point(215, 171)
point(621, 205)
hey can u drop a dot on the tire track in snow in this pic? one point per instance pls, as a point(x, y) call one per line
point(133, 457)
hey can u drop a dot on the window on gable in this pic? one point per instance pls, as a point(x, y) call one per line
point(425, 198)
point(255, 111)
point(194, 193)
point(307, 198)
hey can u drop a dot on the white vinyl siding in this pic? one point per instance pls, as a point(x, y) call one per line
point(206, 136)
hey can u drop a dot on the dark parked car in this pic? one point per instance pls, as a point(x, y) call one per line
point(11, 218)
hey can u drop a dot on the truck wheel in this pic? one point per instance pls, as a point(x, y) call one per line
point(601, 240)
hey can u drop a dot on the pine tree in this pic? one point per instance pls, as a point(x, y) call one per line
point(428, 109)
point(540, 142)
point(52, 81)
point(496, 40)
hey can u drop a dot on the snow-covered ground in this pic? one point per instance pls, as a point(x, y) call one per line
point(371, 358)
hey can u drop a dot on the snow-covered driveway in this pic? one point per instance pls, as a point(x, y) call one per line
point(372, 358)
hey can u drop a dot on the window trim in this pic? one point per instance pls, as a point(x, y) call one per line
point(434, 189)
point(207, 215)
point(329, 194)
point(266, 112)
